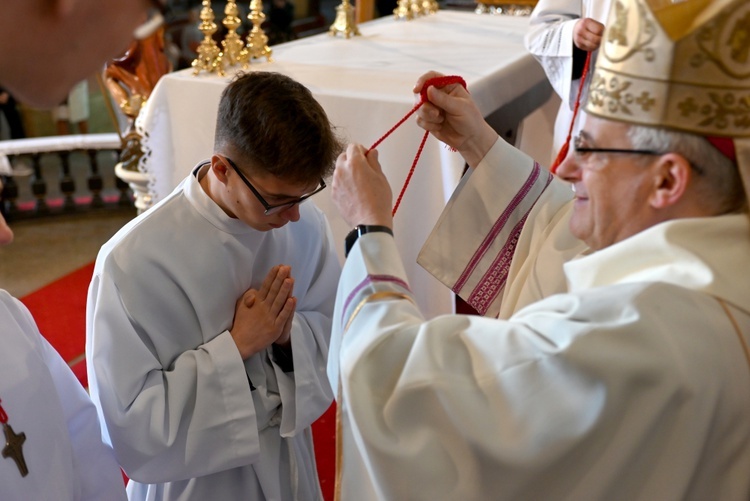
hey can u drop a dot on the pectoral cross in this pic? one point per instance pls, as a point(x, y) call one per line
point(12, 449)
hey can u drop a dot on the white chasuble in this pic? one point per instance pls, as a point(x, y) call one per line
point(187, 418)
point(633, 386)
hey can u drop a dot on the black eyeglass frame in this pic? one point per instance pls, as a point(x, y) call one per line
point(615, 150)
point(577, 149)
point(272, 209)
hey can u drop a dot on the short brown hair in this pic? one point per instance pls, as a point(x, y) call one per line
point(277, 126)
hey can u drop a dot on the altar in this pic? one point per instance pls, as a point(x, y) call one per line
point(365, 85)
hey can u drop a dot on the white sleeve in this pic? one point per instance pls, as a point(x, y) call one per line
point(149, 411)
point(550, 41)
point(473, 247)
point(99, 475)
point(305, 391)
point(518, 409)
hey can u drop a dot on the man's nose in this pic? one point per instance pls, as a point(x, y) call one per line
point(291, 214)
point(569, 169)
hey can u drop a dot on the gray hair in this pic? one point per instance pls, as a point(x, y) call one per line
point(719, 181)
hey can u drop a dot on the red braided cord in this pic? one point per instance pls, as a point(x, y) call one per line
point(564, 150)
point(411, 171)
point(416, 107)
point(437, 82)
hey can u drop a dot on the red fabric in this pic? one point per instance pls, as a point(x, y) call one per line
point(324, 438)
point(59, 310)
point(725, 145)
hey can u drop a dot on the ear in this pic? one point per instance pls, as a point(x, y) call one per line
point(219, 169)
point(672, 176)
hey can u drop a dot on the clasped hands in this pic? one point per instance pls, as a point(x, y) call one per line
point(264, 316)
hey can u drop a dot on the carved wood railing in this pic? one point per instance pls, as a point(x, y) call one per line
point(72, 197)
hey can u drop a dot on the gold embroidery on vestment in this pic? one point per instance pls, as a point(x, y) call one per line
point(377, 296)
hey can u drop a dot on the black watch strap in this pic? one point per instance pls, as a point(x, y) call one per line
point(360, 230)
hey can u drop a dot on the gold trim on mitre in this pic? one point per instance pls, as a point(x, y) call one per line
point(680, 64)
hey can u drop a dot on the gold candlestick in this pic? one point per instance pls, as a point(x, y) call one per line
point(209, 56)
point(344, 22)
point(402, 10)
point(257, 41)
point(430, 6)
point(405, 10)
point(416, 8)
point(234, 48)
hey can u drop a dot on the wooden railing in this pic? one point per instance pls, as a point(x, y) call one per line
point(83, 153)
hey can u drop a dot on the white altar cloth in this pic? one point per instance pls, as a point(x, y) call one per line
point(364, 83)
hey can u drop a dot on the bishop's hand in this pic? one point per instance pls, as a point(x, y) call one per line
point(451, 115)
point(360, 190)
point(264, 316)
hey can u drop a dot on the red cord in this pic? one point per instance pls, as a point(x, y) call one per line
point(437, 82)
point(408, 177)
point(564, 150)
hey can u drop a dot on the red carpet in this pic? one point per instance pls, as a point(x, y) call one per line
point(60, 312)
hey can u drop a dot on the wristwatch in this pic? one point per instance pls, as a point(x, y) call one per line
point(360, 230)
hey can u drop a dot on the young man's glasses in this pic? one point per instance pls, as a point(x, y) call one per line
point(273, 209)
point(155, 19)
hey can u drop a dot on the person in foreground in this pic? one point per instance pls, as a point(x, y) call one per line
point(85, 34)
point(632, 382)
point(209, 315)
point(53, 447)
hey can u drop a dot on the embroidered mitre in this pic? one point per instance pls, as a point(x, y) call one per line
point(682, 65)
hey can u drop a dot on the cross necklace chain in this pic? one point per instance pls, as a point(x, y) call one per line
point(13, 443)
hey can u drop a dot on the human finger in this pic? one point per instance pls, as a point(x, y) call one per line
point(360, 190)
point(587, 34)
point(422, 79)
point(373, 162)
point(345, 164)
point(286, 316)
point(279, 296)
point(266, 286)
point(430, 115)
point(248, 299)
point(282, 274)
point(449, 98)
point(594, 27)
